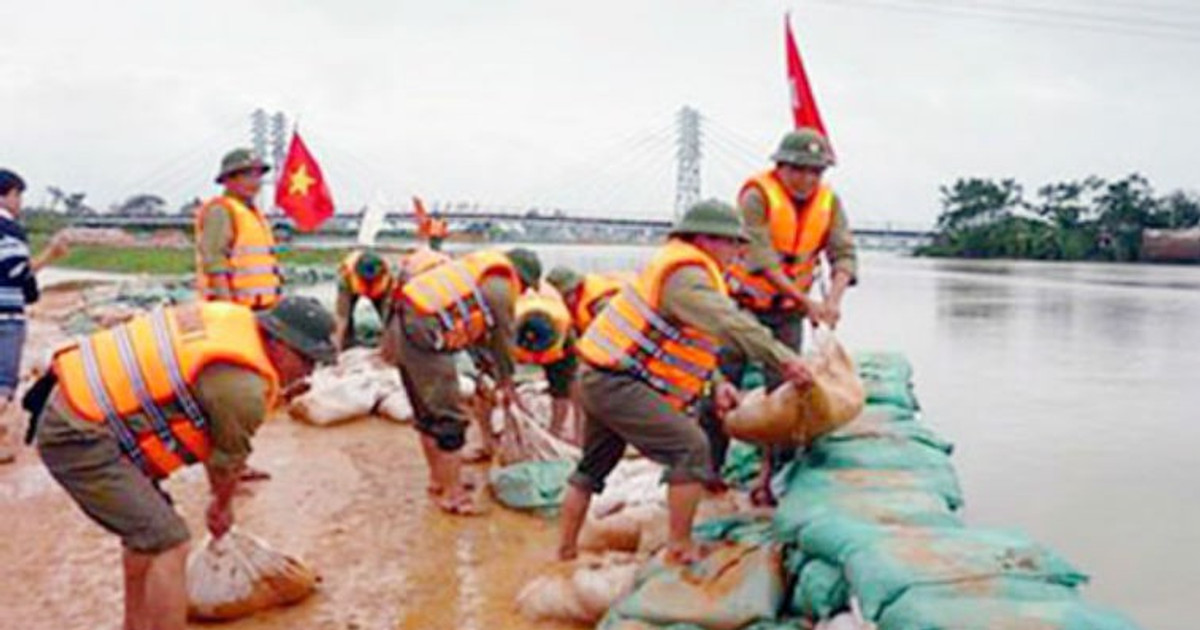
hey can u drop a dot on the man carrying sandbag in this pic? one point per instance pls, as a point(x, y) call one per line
point(648, 359)
point(362, 274)
point(792, 218)
point(125, 407)
point(463, 304)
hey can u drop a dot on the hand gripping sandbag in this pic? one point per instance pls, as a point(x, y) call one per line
point(238, 575)
point(790, 417)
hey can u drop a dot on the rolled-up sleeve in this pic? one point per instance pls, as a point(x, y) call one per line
point(235, 402)
point(214, 240)
point(501, 299)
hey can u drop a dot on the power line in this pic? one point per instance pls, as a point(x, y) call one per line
point(1140, 26)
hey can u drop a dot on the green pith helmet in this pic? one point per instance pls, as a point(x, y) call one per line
point(804, 147)
point(239, 160)
point(713, 218)
point(304, 325)
point(369, 265)
point(527, 264)
point(564, 279)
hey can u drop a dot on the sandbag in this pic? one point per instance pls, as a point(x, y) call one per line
point(887, 366)
point(915, 611)
point(889, 392)
point(531, 485)
point(789, 417)
point(820, 590)
point(238, 575)
point(942, 482)
point(730, 588)
point(743, 462)
point(882, 422)
point(395, 406)
point(876, 454)
point(525, 436)
point(347, 390)
point(882, 570)
point(579, 591)
point(643, 527)
point(800, 507)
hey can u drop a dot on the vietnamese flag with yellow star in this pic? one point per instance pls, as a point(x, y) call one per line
point(301, 191)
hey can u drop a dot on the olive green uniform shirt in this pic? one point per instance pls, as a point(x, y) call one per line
point(840, 248)
point(215, 239)
point(500, 297)
point(690, 296)
point(233, 399)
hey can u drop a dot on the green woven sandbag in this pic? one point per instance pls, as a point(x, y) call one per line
point(886, 421)
point(808, 481)
point(918, 610)
point(733, 586)
point(902, 507)
point(820, 591)
point(531, 485)
point(892, 366)
point(876, 454)
point(881, 570)
point(748, 529)
point(883, 391)
point(615, 621)
point(743, 462)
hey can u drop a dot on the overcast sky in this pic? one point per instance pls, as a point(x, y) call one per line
point(569, 104)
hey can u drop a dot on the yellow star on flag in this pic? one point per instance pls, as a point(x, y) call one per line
point(300, 181)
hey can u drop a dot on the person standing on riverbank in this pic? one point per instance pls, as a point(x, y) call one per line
point(461, 305)
point(126, 407)
point(362, 274)
point(235, 247)
point(649, 359)
point(18, 288)
point(792, 218)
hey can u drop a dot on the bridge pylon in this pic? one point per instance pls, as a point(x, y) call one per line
point(687, 155)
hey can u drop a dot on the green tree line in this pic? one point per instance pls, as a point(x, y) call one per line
point(1089, 219)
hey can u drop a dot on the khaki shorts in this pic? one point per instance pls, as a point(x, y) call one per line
point(431, 381)
point(109, 488)
point(619, 409)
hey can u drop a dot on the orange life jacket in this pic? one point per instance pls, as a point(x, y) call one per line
point(797, 234)
point(594, 293)
point(632, 335)
point(451, 293)
point(137, 378)
point(372, 289)
point(548, 305)
point(253, 272)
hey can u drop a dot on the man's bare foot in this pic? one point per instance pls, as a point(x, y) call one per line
point(250, 473)
point(462, 505)
point(683, 553)
point(567, 553)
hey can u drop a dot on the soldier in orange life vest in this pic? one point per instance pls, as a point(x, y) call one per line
point(462, 305)
point(361, 274)
point(792, 218)
point(585, 295)
point(545, 338)
point(125, 407)
point(650, 357)
point(235, 246)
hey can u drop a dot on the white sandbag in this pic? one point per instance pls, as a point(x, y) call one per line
point(347, 390)
point(239, 574)
point(629, 529)
point(524, 437)
point(580, 591)
point(632, 482)
point(395, 407)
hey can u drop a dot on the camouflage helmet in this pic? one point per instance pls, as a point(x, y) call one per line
point(564, 279)
point(239, 160)
point(804, 147)
point(711, 217)
point(304, 325)
point(527, 264)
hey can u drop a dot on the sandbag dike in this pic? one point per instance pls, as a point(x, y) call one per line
point(867, 535)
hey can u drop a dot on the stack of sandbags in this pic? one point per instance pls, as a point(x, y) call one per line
point(238, 575)
point(790, 417)
point(351, 389)
point(579, 591)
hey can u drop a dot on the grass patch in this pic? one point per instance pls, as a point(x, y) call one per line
point(165, 261)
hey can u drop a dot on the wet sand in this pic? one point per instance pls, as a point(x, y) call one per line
point(349, 500)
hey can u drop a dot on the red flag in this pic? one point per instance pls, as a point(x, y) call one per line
point(804, 105)
point(301, 191)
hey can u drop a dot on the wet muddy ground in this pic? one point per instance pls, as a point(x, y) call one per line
point(349, 500)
